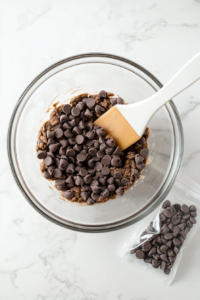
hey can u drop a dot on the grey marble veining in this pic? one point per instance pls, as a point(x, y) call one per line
point(39, 260)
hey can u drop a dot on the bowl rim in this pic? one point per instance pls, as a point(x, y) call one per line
point(100, 227)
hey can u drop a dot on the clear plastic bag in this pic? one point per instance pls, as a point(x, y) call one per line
point(185, 191)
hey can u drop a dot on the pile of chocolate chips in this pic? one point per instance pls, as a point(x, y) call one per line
point(161, 249)
point(86, 162)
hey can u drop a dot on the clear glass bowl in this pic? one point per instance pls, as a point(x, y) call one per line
point(74, 75)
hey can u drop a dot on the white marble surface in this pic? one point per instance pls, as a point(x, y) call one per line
point(39, 260)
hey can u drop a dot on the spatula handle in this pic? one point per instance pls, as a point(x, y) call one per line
point(185, 77)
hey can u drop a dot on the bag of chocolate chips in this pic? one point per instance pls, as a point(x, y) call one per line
point(160, 238)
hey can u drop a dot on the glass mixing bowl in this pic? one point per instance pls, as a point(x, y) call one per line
point(71, 76)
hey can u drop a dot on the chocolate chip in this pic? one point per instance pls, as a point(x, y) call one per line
point(46, 175)
point(101, 133)
point(111, 187)
point(140, 166)
point(105, 171)
point(49, 161)
point(181, 226)
point(96, 144)
point(192, 208)
point(69, 194)
point(102, 94)
point(83, 172)
point(169, 244)
point(176, 230)
point(106, 160)
point(100, 154)
point(110, 180)
point(90, 201)
point(90, 134)
point(90, 102)
point(63, 143)
point(70, 169)
point(135, 173)
point(166, 204)
point(120, 100)
point(168, 236)
point(163, 265)
point(70, 181)
point(87, 179)
point(41, 154)
point(164, 257)
point(185, 208)
point(176, 219)
point(176, 250)
point(75, 111)
point(51, 141)
point(117, 151)
point(162, 217)
point(155, 263)
point(63, 163)
point(113, 101)
point(63, 118)
point(148, 260)
point(99, 109)
point(111, 143)
point(98, 166)
point(88, 114)
point(192, 220)
point(140, 254)
point(50, 170)
point(117, 175)
point(120, 191)
point(167, 213)
point(68, 133)
point(66, 108)
point(109, 151)
point(177, 206)
point(164, 248)
point(144, 152)
point(78, 180)
point(139, 159)
point(95, 196)
point(54, 147)
point(92, 151)
point(57, 173)
point(70, 152)
point(72, 123)
point(146, 246)
point(84, 195)
point(81, 157)
point(105, 193)
point(85, 187)
point(50, 134)
point(116, 161)
point(117, 182)
point(80, 105)
point(193, 214)
point(176, 242)
point(58, 125)
point(167, 271)
point(189, 224)
point(102, 141)
point(125, 181)
point(81, 125)
point(164, 229)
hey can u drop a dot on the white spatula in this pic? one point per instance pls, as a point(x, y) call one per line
point(127, 123)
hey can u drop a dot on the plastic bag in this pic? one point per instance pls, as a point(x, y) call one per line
point(185, 191)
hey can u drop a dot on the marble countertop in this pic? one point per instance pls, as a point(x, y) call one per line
point(39, 260)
